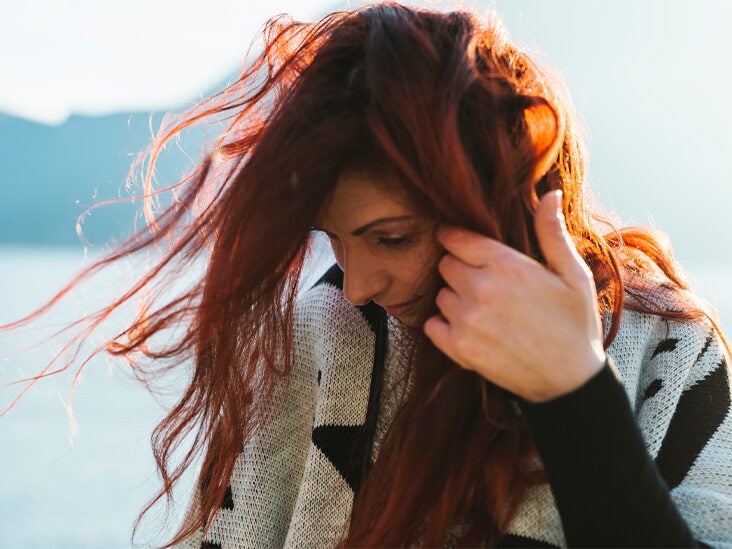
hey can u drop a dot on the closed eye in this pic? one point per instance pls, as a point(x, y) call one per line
point(395, 242)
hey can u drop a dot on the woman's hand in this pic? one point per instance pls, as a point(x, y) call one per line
point(531, 329)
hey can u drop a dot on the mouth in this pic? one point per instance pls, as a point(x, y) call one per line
point(400, 308)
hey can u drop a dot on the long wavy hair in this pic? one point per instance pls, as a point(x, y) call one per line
point(438, 101)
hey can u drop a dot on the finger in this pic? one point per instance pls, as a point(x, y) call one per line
point(449, 304)
point(440, 333)
point(555, 241)
point(457, 274)
point(472, 248)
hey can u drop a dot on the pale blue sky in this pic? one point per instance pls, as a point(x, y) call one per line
point(97, 57)
point(649, 77)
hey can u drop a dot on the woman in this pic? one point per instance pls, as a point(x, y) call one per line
point(482, 367)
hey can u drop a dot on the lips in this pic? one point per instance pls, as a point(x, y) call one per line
point(400, 308)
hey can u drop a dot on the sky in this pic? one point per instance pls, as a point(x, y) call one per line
point(650, 79)
point(95, 57)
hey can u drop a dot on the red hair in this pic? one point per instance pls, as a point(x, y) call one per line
point(437, 100)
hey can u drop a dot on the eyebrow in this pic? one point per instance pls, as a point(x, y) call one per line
point(371, 224)
point(375, 222)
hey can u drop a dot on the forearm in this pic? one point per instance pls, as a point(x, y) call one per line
point(607, 487)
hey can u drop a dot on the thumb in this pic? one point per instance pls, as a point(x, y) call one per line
point(556, 243)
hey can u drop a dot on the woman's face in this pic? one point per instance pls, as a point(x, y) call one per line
point(387, 251)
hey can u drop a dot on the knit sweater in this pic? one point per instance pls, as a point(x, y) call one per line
point(641, 455)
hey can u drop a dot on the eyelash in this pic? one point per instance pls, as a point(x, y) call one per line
point(395, 243)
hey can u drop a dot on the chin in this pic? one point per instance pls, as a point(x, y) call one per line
point(412, 320)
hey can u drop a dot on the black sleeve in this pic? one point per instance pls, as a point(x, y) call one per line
point(606, 485)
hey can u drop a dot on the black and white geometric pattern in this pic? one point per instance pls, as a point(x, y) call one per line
point(294, 483)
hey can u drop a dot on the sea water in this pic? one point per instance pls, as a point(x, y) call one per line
point(59, 489)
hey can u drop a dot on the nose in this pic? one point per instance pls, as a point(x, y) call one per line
point(363, 280)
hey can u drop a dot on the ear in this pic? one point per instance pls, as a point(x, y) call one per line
point(546, 131)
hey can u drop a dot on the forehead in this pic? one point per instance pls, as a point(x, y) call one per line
point(358, 198)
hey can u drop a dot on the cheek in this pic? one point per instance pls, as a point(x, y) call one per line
point(421, 267)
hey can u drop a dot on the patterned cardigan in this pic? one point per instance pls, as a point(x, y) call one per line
point(639, 456)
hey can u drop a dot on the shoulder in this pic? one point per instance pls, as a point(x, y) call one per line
point(677, 377)
point(651, 351)
point(330, 332)
point(335, 341)
point(323, 302)
point(322, 310)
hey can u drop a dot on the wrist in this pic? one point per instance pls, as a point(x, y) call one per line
point(576, 377)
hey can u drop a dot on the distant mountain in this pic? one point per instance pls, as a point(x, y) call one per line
point(645, 165)
point(49, 175)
